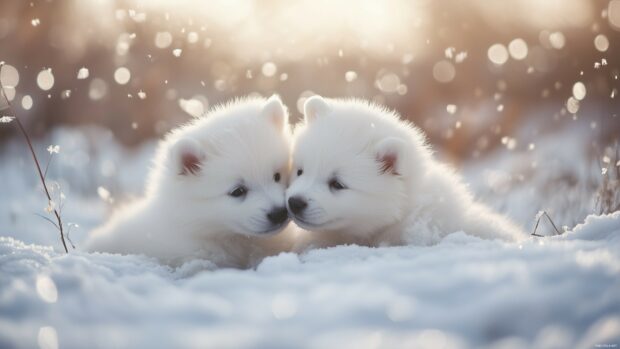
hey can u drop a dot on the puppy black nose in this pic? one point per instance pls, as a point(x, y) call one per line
point(297, 204)
point(278, 215)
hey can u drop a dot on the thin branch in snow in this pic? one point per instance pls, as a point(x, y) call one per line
point(58, 225)
point(71, 225)
point(47, 166)
point(608, 196)
point(47, 219)
point(539, 216)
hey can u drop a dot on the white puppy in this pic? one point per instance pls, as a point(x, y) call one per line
point(361, 175)
point(216, 191)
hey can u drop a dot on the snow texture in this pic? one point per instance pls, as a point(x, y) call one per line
point(552, 292)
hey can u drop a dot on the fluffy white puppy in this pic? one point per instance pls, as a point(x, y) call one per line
point(362, 175)
point(216, 191)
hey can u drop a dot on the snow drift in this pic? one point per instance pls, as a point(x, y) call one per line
point(554, 292)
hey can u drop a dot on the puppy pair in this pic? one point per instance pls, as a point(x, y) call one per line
point(359, 175)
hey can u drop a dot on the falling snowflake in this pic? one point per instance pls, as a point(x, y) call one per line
point(460, 57)
point(350, 75)
point(451, 108)
point(141, 94)
point(449, 52)
point(83, 73)
point(193, 107)
point(53, 149)
point(103, 193)
point(5, 119)
point(177, 52)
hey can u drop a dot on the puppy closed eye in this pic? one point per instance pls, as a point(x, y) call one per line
point(276, 177)
point(335, 184)
point(300, 171)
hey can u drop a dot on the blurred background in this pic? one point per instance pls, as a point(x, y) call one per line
point(520, 95)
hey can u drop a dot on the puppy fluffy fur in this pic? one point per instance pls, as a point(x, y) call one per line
point(362, 175)
point(216, 191)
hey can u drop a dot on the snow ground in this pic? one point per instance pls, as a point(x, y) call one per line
point(554, 292)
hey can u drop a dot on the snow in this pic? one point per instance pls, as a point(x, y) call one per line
point(464, 292)
point(557, 175)
point(552, 292)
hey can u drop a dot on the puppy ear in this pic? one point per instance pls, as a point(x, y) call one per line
point(187, 156)
point(315, 106)
point(392, 156)
point(276, 112)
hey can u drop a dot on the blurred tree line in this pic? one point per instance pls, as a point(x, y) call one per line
point(466, 103)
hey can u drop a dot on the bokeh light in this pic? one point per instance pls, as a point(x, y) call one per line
point(122, 76)
point(45, 79)
point(613, 14)
point(98, 89)
point(518, 49)
point(27, 102)
point(601, 42)
point(557, 40)
point(46, 288)
point(9, 76)
point(444, 71)
point(498, 54)
point(579, 90)
point(47, 338)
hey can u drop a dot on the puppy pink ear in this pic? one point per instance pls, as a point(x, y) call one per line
point(187, 156)
point(392, 156)
point(315, 106)
point(276, 112)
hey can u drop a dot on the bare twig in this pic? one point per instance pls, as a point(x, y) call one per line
point(47, 219)
point(69, 232)
point(608, 195)
point(540, 216)
point(47, 166)
point(37, 164)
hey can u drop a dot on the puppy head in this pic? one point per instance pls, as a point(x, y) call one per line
point(228, 172)
point(351, 166)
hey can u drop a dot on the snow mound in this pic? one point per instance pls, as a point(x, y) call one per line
point(465, 292)
point(597, 228)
